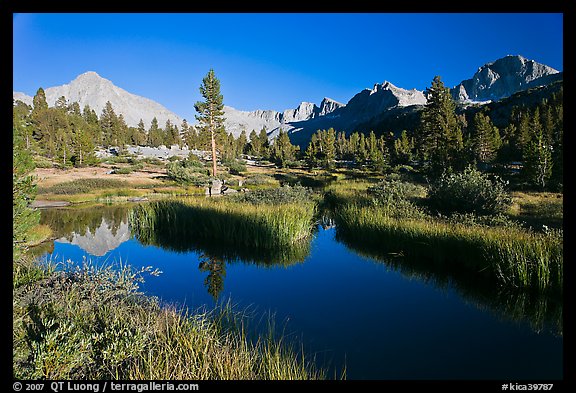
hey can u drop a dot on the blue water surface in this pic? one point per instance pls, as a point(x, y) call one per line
point(353, 312)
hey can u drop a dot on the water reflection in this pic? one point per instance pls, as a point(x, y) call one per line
point(542, 311)
point(216, 268)
point(100, 229)
point(96, 229)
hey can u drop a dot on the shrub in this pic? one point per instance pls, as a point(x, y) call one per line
point(152, 161)
point(42, 162)
point(236, 166)
point(192, 162)
point(389, 191)
point(471, 219)
point(91, 322)
point(187, 173)
point(470, 191)
point(127, 170)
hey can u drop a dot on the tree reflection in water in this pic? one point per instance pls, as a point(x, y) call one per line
point(216, 268)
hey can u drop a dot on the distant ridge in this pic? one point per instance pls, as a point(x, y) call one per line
point(384, 103)
point(504, 77)
point(90, 88)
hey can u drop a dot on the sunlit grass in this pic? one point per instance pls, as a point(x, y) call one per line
point(512, 256)
point(232, 222)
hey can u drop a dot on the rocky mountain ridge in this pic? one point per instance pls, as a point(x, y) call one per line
point(384, 103)
point(94, 90)
point(502, 78)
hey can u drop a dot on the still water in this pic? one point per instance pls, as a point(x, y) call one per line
point(380, 319)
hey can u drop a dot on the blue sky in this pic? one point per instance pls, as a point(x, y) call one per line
point(272, 61)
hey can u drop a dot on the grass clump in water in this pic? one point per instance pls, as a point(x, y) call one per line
point(261, 226)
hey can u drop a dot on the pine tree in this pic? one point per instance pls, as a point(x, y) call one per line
point(372, 147)
point(91, 119)
point(311, 152)
point(176, 136)
point(241, 143)
point(191, 138)
point(486, 138)
point(538, 161)
point(264, 143)
point(211, 111)
point(139, 134)
point(120, 136)
point(440, 135)
point(403, 146)
point(183, 133)
point(74, 109)
point(537, 153)
point(43, 123)
point(227, 147)
point(21, 119)
point(63, 133)
point(255, 144)
point(168, 134)
point(341, 146)
point(216, 268)
point(382, 158)
point(82, 144)
point(282, 150)
point(61, 103)
point(523, 133)
point(108, 124)
point(155, 134)
point(361, 153)
point(557, 104)
point(39, 102)
point(326, 147)
point(353, 146)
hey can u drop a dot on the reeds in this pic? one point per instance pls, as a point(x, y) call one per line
point(512, 256)
point(229, 222)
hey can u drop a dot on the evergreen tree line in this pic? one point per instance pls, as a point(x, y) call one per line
point(445, 141)
point(533, 137)
point(326, 147)
point(69, 135)
point(282, 152)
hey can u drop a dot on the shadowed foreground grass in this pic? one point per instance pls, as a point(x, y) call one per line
point(87, 322)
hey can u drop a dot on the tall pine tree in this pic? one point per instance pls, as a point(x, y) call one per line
point(440, 134)
point(211, 111)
